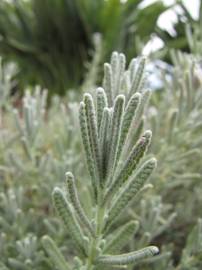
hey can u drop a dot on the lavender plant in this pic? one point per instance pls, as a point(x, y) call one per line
point(18, 250)
point(118, 117)
point(176, 123)
point(66, 146)
point(107, 129)
point(25, 145)
point(175, 120)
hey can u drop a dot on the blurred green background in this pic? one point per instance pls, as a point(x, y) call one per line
point(52, 41)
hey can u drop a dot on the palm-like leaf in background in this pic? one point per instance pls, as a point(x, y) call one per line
point(50, 39)
point(47, 39)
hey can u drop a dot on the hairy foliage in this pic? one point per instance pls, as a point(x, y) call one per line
point(38, 145)
point(110, 195)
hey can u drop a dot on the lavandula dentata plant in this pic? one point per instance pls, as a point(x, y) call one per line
point(114, 145)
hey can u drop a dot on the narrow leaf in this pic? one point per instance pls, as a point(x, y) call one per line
point(128, 258)
point(130, 190)
point(138, 77)
point(54, 253)
point(93, 135)
point(122, 237)
point(115, 132)
point(127, 120)
point(87, 146)
point(120, 73)
point(101, 103)
point(130, 164)
point(143, 103)
point(108, 83)
point(73, 195)
point(66, 214)
point(103, 139)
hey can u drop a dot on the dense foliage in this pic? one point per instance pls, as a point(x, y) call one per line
point(39, 145)
point(52, 40)
point(95, 156)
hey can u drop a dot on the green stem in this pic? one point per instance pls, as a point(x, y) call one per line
point(95, 241)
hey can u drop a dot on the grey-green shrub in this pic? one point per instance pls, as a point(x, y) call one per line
point(27, 213)
point(105, 126)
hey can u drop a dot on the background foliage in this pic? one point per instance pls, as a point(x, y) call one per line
point(51, 41)
point(40, 139)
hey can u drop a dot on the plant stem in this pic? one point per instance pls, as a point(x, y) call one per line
point(95, 241)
